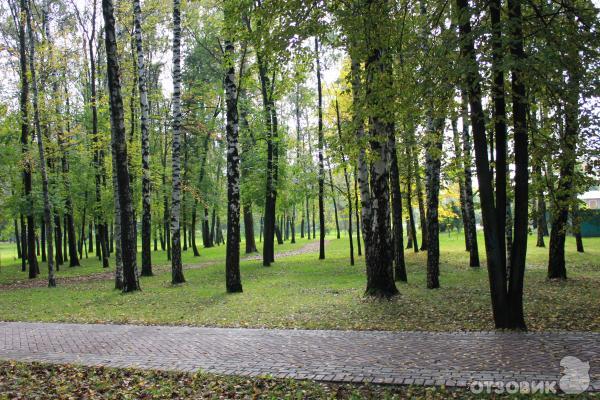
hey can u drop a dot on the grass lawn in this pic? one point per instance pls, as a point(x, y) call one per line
point(35, 380)
point(300, 291)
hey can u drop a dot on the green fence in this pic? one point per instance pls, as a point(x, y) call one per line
point(590, 223)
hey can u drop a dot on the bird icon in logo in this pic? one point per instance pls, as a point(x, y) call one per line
point(575, 375)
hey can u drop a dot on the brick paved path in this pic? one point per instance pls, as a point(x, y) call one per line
point(454, 359)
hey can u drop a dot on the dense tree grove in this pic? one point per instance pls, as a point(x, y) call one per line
point(245, 118)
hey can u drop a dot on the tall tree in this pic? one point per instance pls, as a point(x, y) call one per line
point(29, 241)
point(128, 239)
point(176, 267)
point(506, 289)
point(320, 146)
point(142, 87)
point(469, 207)
point(38, 129)
point(346, 179)
point(232, 259)
point(568, 144)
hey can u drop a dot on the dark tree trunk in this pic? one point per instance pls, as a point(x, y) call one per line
point(409, 235)
point(495, 254)
point(30, 243)
point(433, 159)
point(470, 208)
point(568, 143)
point(18, 240)
point(145, 138)
point(521, 179)
point(314, 225)
point(47, 218)
point(458, 166)
point(278, 233)
point(270, 190)
point(249, 229)
point(119, 142)
point(307, 219)
point(499, 118)
point(293, 224)
point(24, 252)
point(346, 179)
point(335, 209)
point(422, 215)
point(576, 225)
point(58, 243)
point(232, 260)
point(321, 167)
point(356, 212)
point(398, 231)
point(193, 230)
point(411, 215)
point(206, 237)
point(43, 238)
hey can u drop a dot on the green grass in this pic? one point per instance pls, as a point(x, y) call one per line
point(10, 266)
point(35, 380)
point(303, 292)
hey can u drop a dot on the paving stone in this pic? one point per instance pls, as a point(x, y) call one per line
point(419, 358)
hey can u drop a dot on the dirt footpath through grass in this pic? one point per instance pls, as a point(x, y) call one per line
point(41, 281)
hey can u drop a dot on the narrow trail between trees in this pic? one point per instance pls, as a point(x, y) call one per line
point(41, 281)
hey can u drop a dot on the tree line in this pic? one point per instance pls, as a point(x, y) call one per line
point(169, 116)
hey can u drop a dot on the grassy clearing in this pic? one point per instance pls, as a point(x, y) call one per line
point(10, 266)
point(35, 380)
point(302, 292)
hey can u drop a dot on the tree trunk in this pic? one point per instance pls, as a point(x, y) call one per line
point(28, 243)
point(356, 212)
point(458, 166)
point(398, 230)
point(24, 252)
point(411, 216)
point(576, 225)
point(499, 118)
point(101, 245)
point(58, 240)
point(495, 254)
point(376, 199)
point(270, 191)
point(117, 207)
point(249, 229)
point(521, 179)
point(119, 145)
point(144, 115)
point(232, 260)
point(307, 219)
point(433, 159)
point(176, 267)
point(43, 237)
point(335, 209)
point(38, 130)
point(568, 143)
point(422, 215)
point(470, 208)
point(321, 174)
point(69, 218)
point(346, 179)
point(18, 240)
